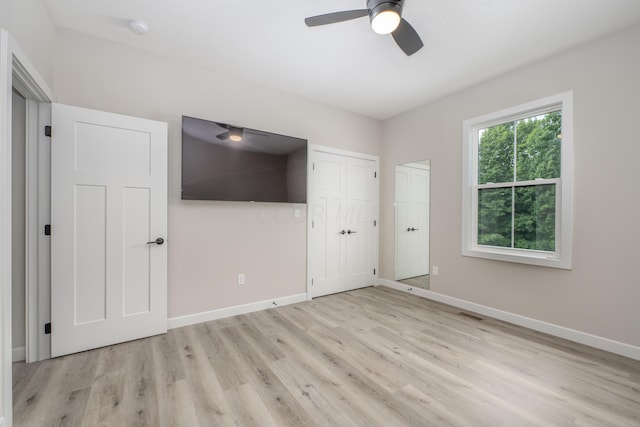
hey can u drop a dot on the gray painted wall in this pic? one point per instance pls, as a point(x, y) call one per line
point(209, 243)
point(600, 295)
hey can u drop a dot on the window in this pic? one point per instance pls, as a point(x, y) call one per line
point(517, 184)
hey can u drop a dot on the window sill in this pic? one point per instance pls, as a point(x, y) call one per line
point(539, 259)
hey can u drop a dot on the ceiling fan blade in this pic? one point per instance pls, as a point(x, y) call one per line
point(332, 18)
point(257, 132)
point(223, 136)
point(407, 38)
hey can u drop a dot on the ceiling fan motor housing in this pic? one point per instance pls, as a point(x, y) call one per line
point(377, 6)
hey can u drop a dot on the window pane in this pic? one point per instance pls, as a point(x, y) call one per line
point(535, 213)
point(538, 147)
point(494, 216)
point(496, 153)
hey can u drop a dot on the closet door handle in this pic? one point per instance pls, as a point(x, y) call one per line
point(343, 232)
point(158, 241)
point(351, 232)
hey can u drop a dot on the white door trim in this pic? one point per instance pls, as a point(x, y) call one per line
point(38, 210)
point(31, 234)
point(312, 149)
point(15, 70)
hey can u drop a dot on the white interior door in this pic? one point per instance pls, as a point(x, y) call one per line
point(360, 214)
point(108, 200)
point(328, 189)
point(343, 234)
point(412, 221)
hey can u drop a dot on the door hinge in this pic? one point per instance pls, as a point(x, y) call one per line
point(311, 282)
point(47, 131)
point(375, 174)
point(374, 271)
point(47, 230)
point(375, 223)
point(313, 166)
point(47, 328)
point(313, 224)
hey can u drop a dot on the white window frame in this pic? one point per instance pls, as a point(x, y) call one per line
point(562, 257)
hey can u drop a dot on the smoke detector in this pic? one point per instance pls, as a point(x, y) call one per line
point(139, 27)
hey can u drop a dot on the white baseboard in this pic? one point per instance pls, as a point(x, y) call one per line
point(19, 354)
point(606, 344)
point(192, 319)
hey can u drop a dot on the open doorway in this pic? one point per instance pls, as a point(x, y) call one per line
point(17, 72)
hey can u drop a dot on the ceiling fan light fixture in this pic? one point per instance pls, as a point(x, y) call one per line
point(235, 134)
point(385, 22)
point(385, 15)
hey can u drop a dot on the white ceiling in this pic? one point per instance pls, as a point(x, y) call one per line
point(347, 65)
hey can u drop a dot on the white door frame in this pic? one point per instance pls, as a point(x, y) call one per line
point(312, 149)
point(15, 70)
point(38, 210)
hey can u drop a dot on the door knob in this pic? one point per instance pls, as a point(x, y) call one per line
point(351, 232)
point(343, 232)
point(414, 229)
point(158, 241)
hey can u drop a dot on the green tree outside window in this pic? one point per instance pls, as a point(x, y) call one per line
point(511, 215)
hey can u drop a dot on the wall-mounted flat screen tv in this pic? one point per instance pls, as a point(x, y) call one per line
point(232, 163)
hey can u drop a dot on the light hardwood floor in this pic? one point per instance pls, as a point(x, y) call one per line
point(371, 357)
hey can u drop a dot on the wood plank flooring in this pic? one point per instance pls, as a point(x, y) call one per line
point(371, 357)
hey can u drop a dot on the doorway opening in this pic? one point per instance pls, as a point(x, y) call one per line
point(17, 73)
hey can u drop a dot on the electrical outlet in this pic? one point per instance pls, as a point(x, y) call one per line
point(435, 270)
point(241, 279)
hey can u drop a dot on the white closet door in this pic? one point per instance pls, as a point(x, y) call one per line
point(360, 213)
point(108, 200)
point(328, 189)
point(343, 236)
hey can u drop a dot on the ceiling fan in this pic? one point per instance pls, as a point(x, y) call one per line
point(235, 133)
point(385, 17)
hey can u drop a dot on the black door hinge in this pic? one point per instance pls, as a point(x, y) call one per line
point(47, 230)
point(375, 174)
point(47, 328)
point(47, 131)
point(374, 271)
point(375, 223)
